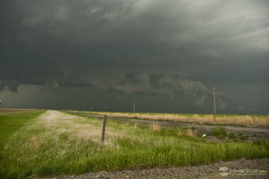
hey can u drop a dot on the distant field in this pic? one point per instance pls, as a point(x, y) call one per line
point(239, 120)
point(12, 110)
point(57, 143)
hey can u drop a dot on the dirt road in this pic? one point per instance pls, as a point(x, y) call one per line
point(262, 133)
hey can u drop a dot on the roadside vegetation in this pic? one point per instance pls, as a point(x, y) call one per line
point(57, 143)
point(239, 120)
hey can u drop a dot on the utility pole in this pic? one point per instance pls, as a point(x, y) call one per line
point(91, 107)
point(214, 101)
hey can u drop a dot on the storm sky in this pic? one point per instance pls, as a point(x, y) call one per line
point(163, 54)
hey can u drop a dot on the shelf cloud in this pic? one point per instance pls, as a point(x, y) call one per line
point(138, 47)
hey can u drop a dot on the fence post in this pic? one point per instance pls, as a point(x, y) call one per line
point(104, 128)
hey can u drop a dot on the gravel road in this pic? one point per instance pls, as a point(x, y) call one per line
point(242, 168)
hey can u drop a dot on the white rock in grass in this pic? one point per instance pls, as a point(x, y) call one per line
point(223, 169)
point(204, 135)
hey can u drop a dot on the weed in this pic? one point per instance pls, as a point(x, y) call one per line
point(63, 136)
point(219, 132)
point(180, 133)
point(242, 136)
point(232, 136)
point(189, 132)
point(155, 127)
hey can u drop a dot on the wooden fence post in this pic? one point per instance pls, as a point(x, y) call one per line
point(104, 128)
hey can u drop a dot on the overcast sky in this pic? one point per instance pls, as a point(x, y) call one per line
point(163, 54)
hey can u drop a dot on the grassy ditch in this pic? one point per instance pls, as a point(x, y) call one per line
point(58, 144)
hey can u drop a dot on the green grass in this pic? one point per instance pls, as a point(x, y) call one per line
point(232, 136)
point(219, 132)
point(42, 150)
point(11, 122)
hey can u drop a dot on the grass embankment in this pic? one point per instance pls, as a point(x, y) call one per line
point(239, 120)
point(58, 144)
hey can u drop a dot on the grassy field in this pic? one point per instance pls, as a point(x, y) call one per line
point(10, 122)
point(239, 120)
point(57, 143)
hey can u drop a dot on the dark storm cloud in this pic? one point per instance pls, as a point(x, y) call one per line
point(135, 84)
point(134, 46)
